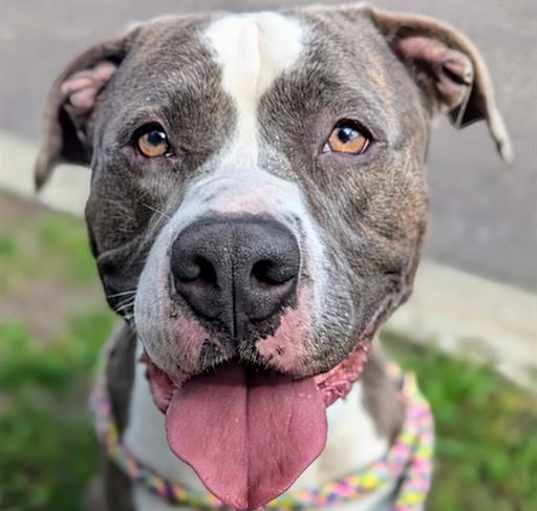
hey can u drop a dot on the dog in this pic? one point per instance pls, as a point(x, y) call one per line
point(258, 204)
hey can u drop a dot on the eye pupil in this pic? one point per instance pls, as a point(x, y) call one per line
point(156, 138)
point(346, 134)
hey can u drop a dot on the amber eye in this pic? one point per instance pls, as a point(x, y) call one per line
point(348, 137)
point(153, 142)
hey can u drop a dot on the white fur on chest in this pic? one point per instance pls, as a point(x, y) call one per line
point(352, 443)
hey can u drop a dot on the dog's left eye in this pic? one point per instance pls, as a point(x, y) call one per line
point(348, 137)
point(152, 141)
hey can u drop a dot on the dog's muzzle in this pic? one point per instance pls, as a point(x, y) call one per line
point(225, 315)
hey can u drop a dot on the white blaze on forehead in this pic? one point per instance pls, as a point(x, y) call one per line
point(253, 50)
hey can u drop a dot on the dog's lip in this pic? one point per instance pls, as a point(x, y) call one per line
point(182, 377)
point(164, 384)
point(333, 384)
point(337, 382)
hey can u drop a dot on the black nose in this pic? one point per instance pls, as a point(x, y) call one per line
point(236, 271)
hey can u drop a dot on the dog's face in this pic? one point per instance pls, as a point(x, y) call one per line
point(259, 180)
point(258, 192)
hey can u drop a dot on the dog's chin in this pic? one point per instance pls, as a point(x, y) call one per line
point(249, 432)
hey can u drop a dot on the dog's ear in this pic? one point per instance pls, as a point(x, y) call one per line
point(447, 65)
point(70, 105)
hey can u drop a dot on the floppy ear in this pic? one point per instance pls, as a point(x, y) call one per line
point(450, 69)
point(70, 105)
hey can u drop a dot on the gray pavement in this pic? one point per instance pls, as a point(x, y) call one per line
point(484, 216)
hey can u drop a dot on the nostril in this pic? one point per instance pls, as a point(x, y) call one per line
point(271, 273)
point(198, 269)
point(207, 271)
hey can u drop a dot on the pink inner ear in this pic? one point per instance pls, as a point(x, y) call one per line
point(82, 88)
point(452, 70)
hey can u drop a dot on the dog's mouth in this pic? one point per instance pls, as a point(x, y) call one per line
point(249, 432)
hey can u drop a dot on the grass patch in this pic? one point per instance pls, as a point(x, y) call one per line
point(8, 248)
point(62, 234)
point(44, 246)
point(46, 460)
point(486, 453)
point(57, 365)
point(48, 451)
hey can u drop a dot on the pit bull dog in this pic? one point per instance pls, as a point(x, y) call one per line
point(257, 208)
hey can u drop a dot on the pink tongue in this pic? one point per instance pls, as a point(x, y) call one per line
point(248, 436)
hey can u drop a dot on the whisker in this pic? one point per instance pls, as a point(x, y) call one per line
point(156, 210)
point(123, 293)
point(124, 306)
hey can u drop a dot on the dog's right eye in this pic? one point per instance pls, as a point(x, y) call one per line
point(152, 141)
point(348, 137)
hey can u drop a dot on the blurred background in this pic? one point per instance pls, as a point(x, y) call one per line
point(469, 332)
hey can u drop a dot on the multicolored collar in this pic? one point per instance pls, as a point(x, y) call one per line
point(408, 462)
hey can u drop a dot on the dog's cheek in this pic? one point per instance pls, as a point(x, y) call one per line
point(118, 230)
point(373, 241)
point(333, 316)
point(111, 210)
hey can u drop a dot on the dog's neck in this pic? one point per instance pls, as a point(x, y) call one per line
point(360, 432)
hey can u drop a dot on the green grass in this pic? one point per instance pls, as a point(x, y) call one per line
point(48, 451)
point(487, 427)
point(63, 235)
point(486, 432)
point(54, 246)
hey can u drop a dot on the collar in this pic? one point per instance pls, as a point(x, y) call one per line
point(408, 461)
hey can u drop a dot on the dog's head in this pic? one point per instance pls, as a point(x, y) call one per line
point(257, 207)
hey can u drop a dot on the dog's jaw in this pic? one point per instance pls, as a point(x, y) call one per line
point(250, 406)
